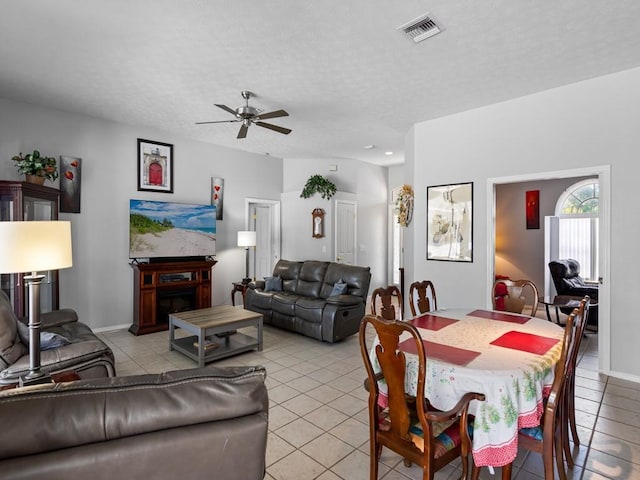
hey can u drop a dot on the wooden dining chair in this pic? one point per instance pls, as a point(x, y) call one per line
point(422, 297)
point(569, 423)
point(382, 302)
point(547, 438)
point(407, 426)
point(507, 295)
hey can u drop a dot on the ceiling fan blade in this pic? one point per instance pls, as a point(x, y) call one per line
point(219, 121)
point(274, 114)
point(226, 109)
point(275, 128)
point(243, 131)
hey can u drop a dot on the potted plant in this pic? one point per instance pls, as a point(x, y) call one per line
point(36, 167)
point(318, 184)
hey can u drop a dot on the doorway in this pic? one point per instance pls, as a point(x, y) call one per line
point(603, 175)
point(263, 216)
point(345, 232)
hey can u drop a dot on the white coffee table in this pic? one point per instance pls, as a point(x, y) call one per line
point(214, 334)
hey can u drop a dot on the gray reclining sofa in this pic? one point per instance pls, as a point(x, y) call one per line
point(302, 297)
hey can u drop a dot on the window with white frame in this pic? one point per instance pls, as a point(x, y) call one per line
point(577, 209)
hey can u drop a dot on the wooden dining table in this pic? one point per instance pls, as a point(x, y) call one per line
point(507, 357)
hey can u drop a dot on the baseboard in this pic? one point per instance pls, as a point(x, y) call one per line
point(124, 326)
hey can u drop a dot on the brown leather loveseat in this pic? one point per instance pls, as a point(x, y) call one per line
point(188, 424)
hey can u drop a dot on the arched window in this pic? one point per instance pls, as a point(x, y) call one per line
point(577, 209)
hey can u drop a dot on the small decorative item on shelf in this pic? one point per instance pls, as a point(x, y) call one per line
point(318, 184)
point(404, 204)
point(36, 167)
point(318, 223)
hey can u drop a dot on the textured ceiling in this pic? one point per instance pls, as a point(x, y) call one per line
point(340, 68)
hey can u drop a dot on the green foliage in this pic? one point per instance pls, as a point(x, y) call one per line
point(36, 164)
point(140, 224)
point(318, 184)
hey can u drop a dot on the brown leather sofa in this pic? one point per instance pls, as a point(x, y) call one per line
point(187, 424)
point(84, 353)
point(304, 300)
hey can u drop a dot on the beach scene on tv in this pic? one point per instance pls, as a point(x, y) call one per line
point(164, 229)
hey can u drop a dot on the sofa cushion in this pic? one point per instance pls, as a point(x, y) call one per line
point(288, 271)
point(357, 279)
point(272, 284)
point(284, 303)
point(311, 276)
point(48, 340)
point(11, 348)
point(310, 309)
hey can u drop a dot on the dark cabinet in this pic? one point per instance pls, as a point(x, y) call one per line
point(22, 201)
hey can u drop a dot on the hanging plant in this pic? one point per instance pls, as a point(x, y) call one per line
point(318, 184)
point(404, 205)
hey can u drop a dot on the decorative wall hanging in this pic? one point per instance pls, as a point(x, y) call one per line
point(318, 184)
point(155, 166)
point(318, 223)
point(404, 205)
point(70, 183)
point(450, 222)
point(532, 209)
point(217, 192)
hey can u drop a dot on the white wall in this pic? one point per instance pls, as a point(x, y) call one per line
point(100, 283)
point(590, 123)
point(355, 180)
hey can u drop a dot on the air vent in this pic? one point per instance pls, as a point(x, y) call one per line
point(420, 28)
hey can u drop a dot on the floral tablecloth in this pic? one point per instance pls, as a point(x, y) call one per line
point(507, 357)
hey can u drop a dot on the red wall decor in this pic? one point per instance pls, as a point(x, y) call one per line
point(532, 209)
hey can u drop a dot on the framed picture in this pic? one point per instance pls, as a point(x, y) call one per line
point(70, 183)
point(450, 222)
point(217, 195)
point(155, 166)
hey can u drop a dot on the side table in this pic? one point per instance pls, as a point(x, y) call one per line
point(238, 287)
point(562, 301)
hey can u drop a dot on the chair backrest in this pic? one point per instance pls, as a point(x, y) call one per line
point(579, 326)
point(422, 297)
point(392, 363)
point(507, 295)
point(556, 395)
point(566, 275)
point(383, 299)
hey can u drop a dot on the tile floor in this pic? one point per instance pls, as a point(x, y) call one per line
point(318, 410)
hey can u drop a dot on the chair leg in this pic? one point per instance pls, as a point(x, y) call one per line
point(548, 454)
point(475, 471)
point(565, 420)
point(506, 471)
point(572, 411)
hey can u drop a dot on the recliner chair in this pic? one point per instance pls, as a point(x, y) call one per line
point(567, 280)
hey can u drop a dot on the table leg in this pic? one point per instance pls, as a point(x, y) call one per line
point(557, 315)
point(233, 296)
point(172, 336)
point(260, 334)
point(546, 307)
point(201, 339)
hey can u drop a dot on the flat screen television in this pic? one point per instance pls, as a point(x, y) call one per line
point(167, 230)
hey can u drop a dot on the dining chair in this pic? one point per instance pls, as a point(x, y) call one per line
point(507, 295)
point(569, 423)
point(383, 299)
point(407, 425)
point(422, 297)
point(547, 438)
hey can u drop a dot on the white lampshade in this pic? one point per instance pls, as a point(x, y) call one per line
point(35, 246)
point(246, 239)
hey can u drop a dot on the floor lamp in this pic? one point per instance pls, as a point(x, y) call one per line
point(32, 247)
point(246, 239)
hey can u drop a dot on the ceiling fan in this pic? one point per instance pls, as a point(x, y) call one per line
point(249, 115)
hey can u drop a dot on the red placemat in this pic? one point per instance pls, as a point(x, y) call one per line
point(431, 322)
point(446, 353)
point(527, 342)
point(502, 316)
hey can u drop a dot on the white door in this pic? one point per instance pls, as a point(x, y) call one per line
point(345, 232)
point(264, 218)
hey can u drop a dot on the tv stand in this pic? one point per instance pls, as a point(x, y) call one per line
point(162, 288)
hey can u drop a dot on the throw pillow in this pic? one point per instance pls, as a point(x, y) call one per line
point(339, 288)
point(48, 340)
point(272, 284)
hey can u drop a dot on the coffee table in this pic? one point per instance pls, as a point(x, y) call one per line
point(214, 334)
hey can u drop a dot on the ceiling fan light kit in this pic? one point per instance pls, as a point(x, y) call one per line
point(249, 115)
